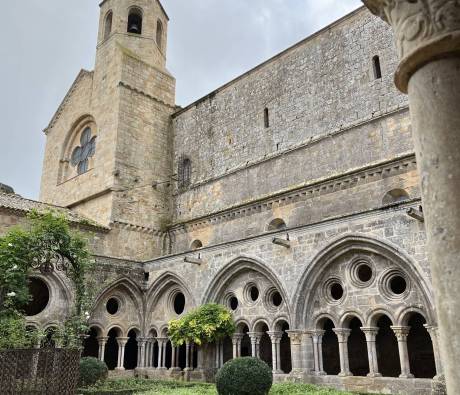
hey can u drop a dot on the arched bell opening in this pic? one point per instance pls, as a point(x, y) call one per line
point(387, 349)
point(331, 356)
point(111, 349)
point(357, 349)
point(420, 348)
point(131, 351)
point(91, 344)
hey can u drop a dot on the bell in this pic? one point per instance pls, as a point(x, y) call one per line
point(134, 28)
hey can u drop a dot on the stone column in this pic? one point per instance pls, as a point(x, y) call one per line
point(121, 352)
point(317, 340)
point(173, 357)
point(371, 334)
point(217, 354)
point(275, 338)
point(102, 341)
point(255, 342)
point(433, 331)
point(342, 336)
point(163, 361)
point(296, 350)
point(236, 341)
point(161, 350)
point(187, 356)
point(401, 333)
point(427, 35)
point(141, 348)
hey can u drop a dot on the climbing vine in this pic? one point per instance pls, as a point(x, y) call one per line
point(46, 244)
point(205, 324)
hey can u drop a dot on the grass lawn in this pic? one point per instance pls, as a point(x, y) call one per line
point(155, 387)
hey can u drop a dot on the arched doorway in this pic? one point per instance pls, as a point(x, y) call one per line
point(357, 349)
point(228, 349)
point(285, 347)
point(387, 349)
point(265, 344)
point(111, 349)
point(245, 341)
point(91, 344)
point(130, 361)
point(331, 356)
point(420, 348)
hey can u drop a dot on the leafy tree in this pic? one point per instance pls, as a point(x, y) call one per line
point(205, 324)
point(45, 243)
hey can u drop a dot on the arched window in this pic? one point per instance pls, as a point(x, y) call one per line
point(82, 154)
point(108, 25)
point(159, 36)
point(276, 224)
point(184, 172)
point(135, 21)
point(377, 68)
point(395, 196)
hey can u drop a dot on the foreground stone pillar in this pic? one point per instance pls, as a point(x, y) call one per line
point(428, 38)
point(371, 334)
point(102, 341)
point(121, 352)
point(401, 333)
point(342, 336)
point(296, 350)
point(187, 356)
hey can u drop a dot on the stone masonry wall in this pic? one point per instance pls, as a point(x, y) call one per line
point(319, 87)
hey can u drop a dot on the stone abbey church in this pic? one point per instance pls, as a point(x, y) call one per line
point(290, 195)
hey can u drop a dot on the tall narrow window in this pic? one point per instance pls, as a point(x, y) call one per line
point(377, 68)
point(184, 172)
point(135, 21)
point(108, 25)
point(159, 34)
point(266, 118)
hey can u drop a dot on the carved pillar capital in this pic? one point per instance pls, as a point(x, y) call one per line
point(122, 341)
point(401, 332)
point(424, 31)
point(342, 334)
point(370, 333)
point(295, 336)
point(102, 340)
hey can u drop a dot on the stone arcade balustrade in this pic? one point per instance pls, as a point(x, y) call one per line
point(427, 35)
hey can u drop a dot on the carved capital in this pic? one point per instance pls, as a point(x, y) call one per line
point(401, 332)
point(295, 336)
point(370, 333)
point(425, 30)
point(342, 334)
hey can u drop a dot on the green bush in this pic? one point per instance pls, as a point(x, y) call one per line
point(91, 371)
point(244, 376)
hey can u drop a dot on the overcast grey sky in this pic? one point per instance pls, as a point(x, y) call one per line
point(44, 43)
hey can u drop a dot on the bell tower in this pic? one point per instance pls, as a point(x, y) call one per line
point(108, 153)
point(139, 26)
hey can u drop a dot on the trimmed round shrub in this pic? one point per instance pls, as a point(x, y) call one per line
point(92, 370)
point(244, 376)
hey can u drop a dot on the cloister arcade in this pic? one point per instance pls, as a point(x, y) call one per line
point(361, 308)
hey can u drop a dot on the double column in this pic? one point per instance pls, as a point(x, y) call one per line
point(371, 335)
point(275, 338)
point(102, 341)
point(236, 342)
point(317, 341)
point(427, 35)
point(401, 333)
point(255, 343)
point(162, 341)
point(296, 349)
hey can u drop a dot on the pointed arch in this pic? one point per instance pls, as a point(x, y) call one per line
point(360, 243)
point(217, 285)
point(126, 284)
point(162, 283)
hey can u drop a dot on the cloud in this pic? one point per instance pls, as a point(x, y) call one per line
point(45, 43)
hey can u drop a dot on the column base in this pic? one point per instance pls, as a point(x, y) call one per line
point(374, 375)
point(406, 376)
point(345, 374)
point(175, 369)
point(188, 369)
point(162, 368)
point(119, 369)
point(320, 373)
point(277, 372)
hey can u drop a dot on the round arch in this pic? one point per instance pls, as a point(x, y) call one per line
point(360, 243)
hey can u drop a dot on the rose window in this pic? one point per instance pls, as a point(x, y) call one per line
point(82, 154)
